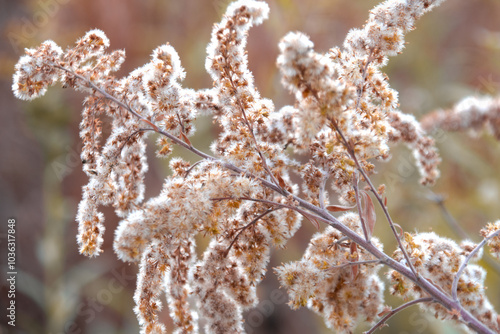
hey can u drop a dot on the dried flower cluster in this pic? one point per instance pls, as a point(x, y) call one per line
point(472, 113)
point(242, 196)
point(491, 232)
point(440, 259)
point(327, 281)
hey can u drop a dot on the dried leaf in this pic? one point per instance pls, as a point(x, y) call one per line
point(281, 181)
point(355, 270)
point(313, 221)
point(185, 138)
point(152, 125)
point(353, 248)
point(401, 232)
point(368, 212)
point(386, 310)
point(338, 208)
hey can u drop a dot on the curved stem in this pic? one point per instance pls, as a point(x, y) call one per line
point(262, 215)
point(382, 321)
point(365, 74)
point(454, 286)
point(130, 137)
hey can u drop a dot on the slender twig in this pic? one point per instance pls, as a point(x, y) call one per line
point(358, 204)
point(341, 240)
point(262, 215)
point(181, 123)
point(279, 205)
point(192, 167)
point(176, 140)
point(313, 212)
point(454, 286)
point(382, 321)
point(348, 264)
point(250, 128)
point(104, 93)
point(454, 225)
point(351, 152)
point(130, 137)
point(365, 74)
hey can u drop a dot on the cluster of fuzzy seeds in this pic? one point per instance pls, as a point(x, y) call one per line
point(333, 280)
point(494, 241)
point(472, 113)
point(438, 259)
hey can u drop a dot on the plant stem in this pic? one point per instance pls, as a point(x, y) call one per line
point(396, 310)
point(377, 196)
point(454, 286)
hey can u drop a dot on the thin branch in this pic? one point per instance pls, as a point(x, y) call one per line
point(279, 205)
point(382, 321)
point(377, 196)
point(338, 242)
point(454, 286)
point(348, 264)
point(191, 168)
point(130, 137)
point(104, 93)
point(365, 73)
point(250, 128)
point(454, 225)
point(262, 215)
point(181, 123)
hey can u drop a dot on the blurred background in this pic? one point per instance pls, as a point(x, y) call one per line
point(453, 53)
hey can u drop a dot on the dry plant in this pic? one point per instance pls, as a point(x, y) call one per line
point(241, 195)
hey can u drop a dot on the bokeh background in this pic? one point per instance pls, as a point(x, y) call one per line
point(453, 53)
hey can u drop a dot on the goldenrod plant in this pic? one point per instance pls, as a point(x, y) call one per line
point(251, 192)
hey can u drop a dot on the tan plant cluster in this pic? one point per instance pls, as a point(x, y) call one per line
point(242, 195)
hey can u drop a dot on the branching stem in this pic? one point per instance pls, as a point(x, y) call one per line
point(350, 149)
